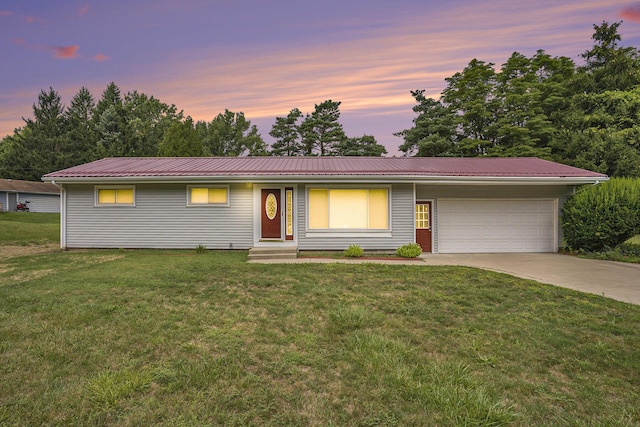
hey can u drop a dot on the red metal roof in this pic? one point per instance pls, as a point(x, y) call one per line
point(129, 167)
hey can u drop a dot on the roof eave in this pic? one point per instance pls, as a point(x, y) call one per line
point(406, 179)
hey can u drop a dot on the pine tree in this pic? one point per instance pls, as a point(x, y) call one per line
point(322, 130)
point(286, 132)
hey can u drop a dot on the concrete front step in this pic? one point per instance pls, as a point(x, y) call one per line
point(273, 253)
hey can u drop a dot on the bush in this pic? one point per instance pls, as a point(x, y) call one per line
point(602, 216)
point(410, 250)
point(629, 249)
point(354, 251)
point(201, 248)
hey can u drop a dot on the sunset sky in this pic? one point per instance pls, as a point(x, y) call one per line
point(264, 58)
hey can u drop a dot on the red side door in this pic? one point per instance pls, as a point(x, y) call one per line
point(423, 225)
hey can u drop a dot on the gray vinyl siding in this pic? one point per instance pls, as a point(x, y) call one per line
point(38, 202)
point(159, 219)
point(434, 192)
point(42, 202)
point(401, 218)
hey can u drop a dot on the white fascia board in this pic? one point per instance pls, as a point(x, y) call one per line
point(305, 179)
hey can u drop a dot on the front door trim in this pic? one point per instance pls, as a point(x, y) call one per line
point(285, 238)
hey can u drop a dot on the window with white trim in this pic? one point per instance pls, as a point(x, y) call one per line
point(207, 196)
point(348, 208)
point(115, 195)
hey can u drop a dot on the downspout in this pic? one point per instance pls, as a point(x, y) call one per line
point(63, 215)
point(585, 187)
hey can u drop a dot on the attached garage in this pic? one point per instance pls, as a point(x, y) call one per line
point(507, 225)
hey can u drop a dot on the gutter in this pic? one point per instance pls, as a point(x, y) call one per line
point(585, 188)
point(302, 179)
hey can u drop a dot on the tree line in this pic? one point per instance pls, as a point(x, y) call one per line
point(139, 125)
point(587, 116)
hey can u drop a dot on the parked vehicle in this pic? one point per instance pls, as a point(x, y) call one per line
point(23, 206)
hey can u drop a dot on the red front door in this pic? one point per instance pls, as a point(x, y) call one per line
point(423, 225)
point(271, 214)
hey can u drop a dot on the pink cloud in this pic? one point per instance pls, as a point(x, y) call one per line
point(64, 52)
point(31, 19)
point(5, 13)
point(100, 57)
point(20, 41)
point(632, 13)
point(83, 10)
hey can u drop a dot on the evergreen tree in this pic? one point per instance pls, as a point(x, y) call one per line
point(365, 145)
point(110, 128)
point(110, 97)
point(321, 130)
point(81, 137)
point(17, 156)
point(181, 140)
point(286, 132)
point(110, 123)
point(608, 66)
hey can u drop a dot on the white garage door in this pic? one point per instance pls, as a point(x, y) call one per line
point(466, 226)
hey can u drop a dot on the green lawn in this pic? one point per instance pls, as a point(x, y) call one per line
point(26, 228)
point(175, 338)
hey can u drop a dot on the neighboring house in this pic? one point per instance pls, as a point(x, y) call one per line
point(42, 196)
point(314, 203)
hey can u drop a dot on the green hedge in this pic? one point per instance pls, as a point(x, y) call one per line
point(602, 216)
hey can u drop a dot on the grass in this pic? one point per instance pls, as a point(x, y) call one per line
point(635, 240)
point(175, 338)
point(629, 252)
point(28, 228)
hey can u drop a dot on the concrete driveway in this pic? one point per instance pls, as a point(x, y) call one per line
point(617, 280)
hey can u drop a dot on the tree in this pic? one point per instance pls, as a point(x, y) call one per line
point(110, 123)
point(541, 106)
point(286, 132)
point(146, 119)
point(321, 130)
point(110, 128)
point(110, 97)
point(181, 140)
point(603, 133)
point(471, 94)
point(608, 67)
point(132, 126)
point(41, 144)
point(81, 137)
point(434, 129)
point(17, 156)
point(366, 145)
point(231, 134)
point(522, 127)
